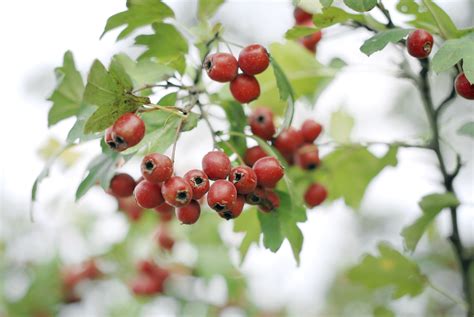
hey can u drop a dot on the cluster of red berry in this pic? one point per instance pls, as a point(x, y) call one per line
point(296, 146)
point(223, 67)
point(419, 45)
point(150, 280)
point(71, 276)
point(304, 18)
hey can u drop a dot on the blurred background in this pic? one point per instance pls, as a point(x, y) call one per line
point(385, 108)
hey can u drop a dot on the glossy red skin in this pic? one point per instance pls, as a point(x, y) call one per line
point(199, 182)
point(244, 179)
point(420, 43)
point(222, 196)
point(148, 195)
point(315, 195)
point(236, 209)
point(166, 217)
point(216, 165)
point(289, 140)
point(108, 138)
point(177, 192)
point(270, 203)
point(245, 88)
point(307, 157)
point(256, 197)
point(254, 59)
point(311, 130)
point(122, 185)
point(189, 214)
point(268, 171)
point(463, 87)
point(130, 207)
point(301, 16)
point(164, 239)
point(221, 67)
point(310, 41)
point(164, 208)
point(129, 128)
point(253, 154)
point(261, 123)
point(156, 167)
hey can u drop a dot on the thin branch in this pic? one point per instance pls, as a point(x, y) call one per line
point(442, 106)
point(178, 133)
point(455, 300)
point(168, 84)
point(370, 143)
point(386, 13)
point(171, 109)
point(209, 125)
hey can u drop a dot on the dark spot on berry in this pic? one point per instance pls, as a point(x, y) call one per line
point(261, 119)
point(312, 166)
point(112, 144)
point(149, 165)
point(237, 177)
point(198, 180)
point(182, 196)
point(255, 198)
point(119, 139)
point(227, 215)
point(207, 64)
point(218, 207)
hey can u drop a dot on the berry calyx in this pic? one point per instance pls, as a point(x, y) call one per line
point(177, 192)
point(289, 140)
point(236, 210)
point(253, 154)
point(122, 185)
point(256, 197)
point(463, 87)
point(307, 157)
point(216, 165)
point(261, 123)
point(148, 194)
point(221, 67)
point(268, 171)
point(222, 196)
point(315, 195)
point(254, 59)
point(270, 202)
point(156, 167)
point(189, 214)
point(420, 43)
point(199, 182)
point(109, 140)
point(301, 16)
point(244, 179)
point(245, 88)
point(127, 131)
point(311, 130)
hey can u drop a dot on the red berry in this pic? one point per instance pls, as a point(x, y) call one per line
point(156, 168)
point(177, 192)
point(216, 165)
point(307, 157)
point(268, 171)
point(311, 130)
point(245, 88)
point(148, 194)
point(301, 16)
point(144, 285)
point(244, 179)
point(463, 87)
point(199, 182)
point(261, 123)
point(270, 202)
point(256, 197)
point(310, 41)
point(289, 140)
point(122, 185)
point(420, 43)
point(128, 131)
point(236, 210)
point(130, 207)
point(222, 196)
point(166, 212)
point(164, 239)
point(315, 195)
point(254, 59)
point(189, 214)
point(253, 154)
point(221, 67)
point(108, 138)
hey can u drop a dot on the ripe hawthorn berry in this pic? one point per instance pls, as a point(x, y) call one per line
point(221, 67)
point(268, 171)
point(270, 202)
point(311, 130)
point(164, 239)
point(463, 87)
point(307, 157)
point(122, 185)
point(244, 179)
point(144, 285)
point(199, 182)
point(315, 195)
point(216, 165)
point(254, 59)
point(261, 123)
point(177, 192)
point(130, 207)
point(148, 194)
point(156, 167)
point(190, 213)
point(236, 210)
point(222, 196)
point(253, 154)
point(301, 16)
point(289, 140)
point(256, 197)
point(127, 131)
point(166, 212)
point(310, 41)
point(245, 88)
point(420, 43)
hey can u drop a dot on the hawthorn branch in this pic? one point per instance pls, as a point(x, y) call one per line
point(386, 13)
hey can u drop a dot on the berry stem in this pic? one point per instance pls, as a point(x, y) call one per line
point(205, 117)
point(386, 13)
point(171, 109)
point(178, 133)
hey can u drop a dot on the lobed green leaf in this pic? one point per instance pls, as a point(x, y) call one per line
point(380, 40)
point(361, 5)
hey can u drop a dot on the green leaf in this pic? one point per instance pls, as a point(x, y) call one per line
point(166, 45)
point(238, 121)
point(340, 127)
point(299, 31)
point(380, 40)
point(381, 311)
point(272, 235)
point(452, 52)
point(67, 96)
point(326, 3)
point(77, 130)
point(139, 13)
point(467, 129)
point(286, 93)
point(334, 15)
point(361, 5)
point(446, 26)
point(431, 205)
point(390, 268)
point(249, 224)
point(207, 8)
point(190, 122)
